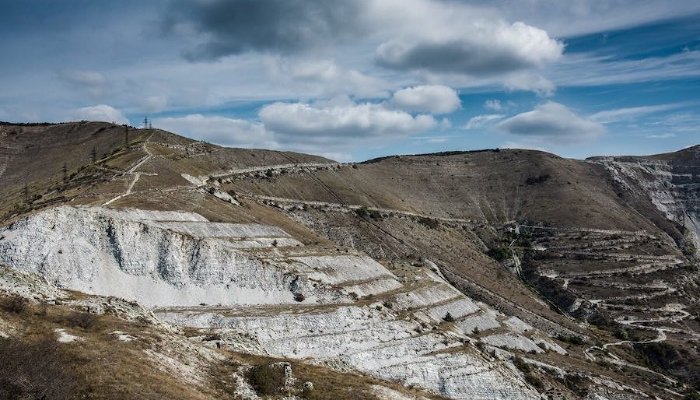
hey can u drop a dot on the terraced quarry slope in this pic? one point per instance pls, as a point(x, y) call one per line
point(467, 275)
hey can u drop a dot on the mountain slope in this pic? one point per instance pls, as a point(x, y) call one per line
point(469, 275)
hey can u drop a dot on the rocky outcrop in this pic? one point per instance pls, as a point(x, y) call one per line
point(287, 300)
point(673, 186)
point(156, 258)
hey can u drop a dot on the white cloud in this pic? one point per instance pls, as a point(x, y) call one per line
point(531, 82)
point(474, 47)
point(493, 104)
point(325, 78)
point(593, 70)
point(552, 122)
point(219, 130)
point(573, 18)
point(435, 99)
point(481, 120)
point(100, 112)
point(661, 136)
point(622, 114)
point(340, 120)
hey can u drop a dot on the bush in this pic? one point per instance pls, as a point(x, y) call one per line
point(577, 383)
point(521, 365)
point(429, 222)
point(572, 339)
point(621, 334)
point(692, 395)
point(81, 320)
point(535, 180)
point(362, 212)
point(267, 380)
point(499, 253)
point(15, 304)
point(533, 380)
point(448, 317)
point(299, 297)
point(374, 214)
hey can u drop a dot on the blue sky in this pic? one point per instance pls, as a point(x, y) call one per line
point(356, 80)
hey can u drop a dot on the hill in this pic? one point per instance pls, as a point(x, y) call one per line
point(489, 274)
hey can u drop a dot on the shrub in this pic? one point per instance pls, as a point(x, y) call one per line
point(533, 380)
point(15, 304)
point(81, 320)
point(577, 383)
point(692, 395)
point(535, 180)
point(521, 365)
point(572, 339)
point(498, 253)
point(362, 212)
point(299, 297)
point(429, 222)
point(448, 317)
point(267, 380)
point(621, 334)
point(374, 214)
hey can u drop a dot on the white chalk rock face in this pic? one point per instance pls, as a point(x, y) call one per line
point(275, 296)
point(671, 187)
point(156, 258)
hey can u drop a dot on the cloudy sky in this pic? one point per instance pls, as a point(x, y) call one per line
point(357, 79)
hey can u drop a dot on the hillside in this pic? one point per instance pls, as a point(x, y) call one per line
point(489, 274)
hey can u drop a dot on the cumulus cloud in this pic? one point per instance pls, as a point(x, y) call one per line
point(434, 99)
point(483, 50)
point(552, 122)
point(100, 112)
point(340, 119)
point(428, 36)
point(279, 26)
point(219, 130)
point(481, 120)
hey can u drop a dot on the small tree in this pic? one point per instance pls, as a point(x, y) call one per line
point(93, 154)
point(65, 172)
point(448, 317)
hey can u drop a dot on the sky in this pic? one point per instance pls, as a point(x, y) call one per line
point(353, 80)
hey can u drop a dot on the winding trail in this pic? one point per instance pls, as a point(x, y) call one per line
point(132, 171)
point(353, 207)
point(642, 324)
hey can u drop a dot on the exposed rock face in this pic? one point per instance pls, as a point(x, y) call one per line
point(672, 185)
point(353, 313)
point(156, 258)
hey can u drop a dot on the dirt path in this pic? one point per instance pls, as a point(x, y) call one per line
point(354, 207)
point(302, 167)
point(132, 171)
